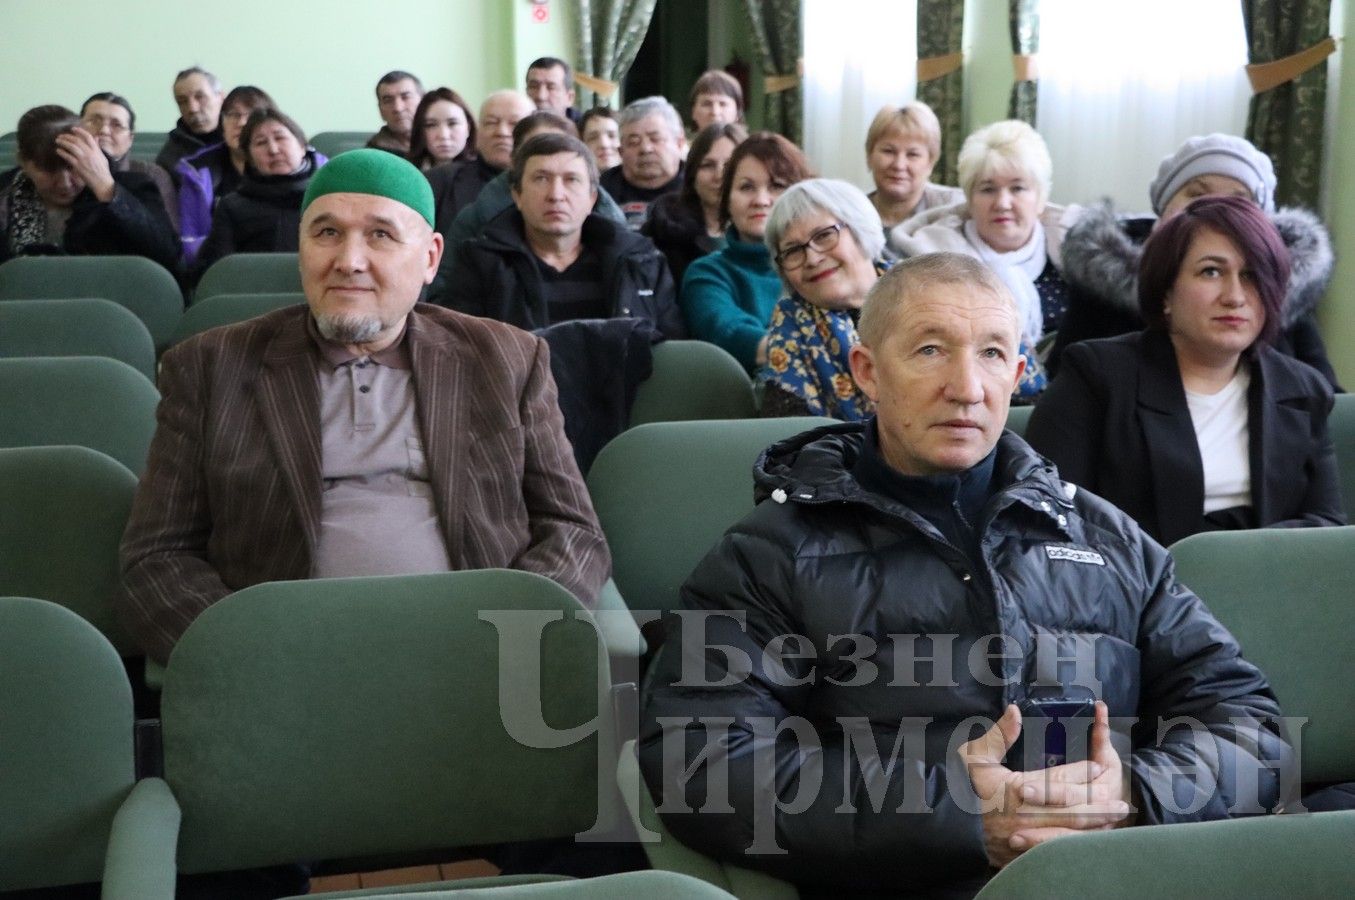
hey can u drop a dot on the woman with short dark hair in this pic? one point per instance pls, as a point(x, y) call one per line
point(264, 213)
point(1197, 423)
point(727, 296)
point(444, 130)
point(66, 199)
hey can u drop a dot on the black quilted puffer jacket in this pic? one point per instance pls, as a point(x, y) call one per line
point(1068, 590)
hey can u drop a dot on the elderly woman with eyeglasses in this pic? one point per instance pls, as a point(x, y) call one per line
point(825, 240)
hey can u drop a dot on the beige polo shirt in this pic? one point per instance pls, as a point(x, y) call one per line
point(378, 514)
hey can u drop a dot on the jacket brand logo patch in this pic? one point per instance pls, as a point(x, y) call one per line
point(1090, 557)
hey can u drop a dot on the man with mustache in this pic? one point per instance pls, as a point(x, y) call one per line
point(361, 434)
point(198, 94)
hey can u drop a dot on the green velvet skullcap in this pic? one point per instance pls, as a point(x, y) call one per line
point(371, 171)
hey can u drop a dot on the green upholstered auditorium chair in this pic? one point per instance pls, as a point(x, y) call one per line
point(1286, 594)
point(65, 509)
point(72, 811)
point(87, 401)
point(144, 287)
point(225, 309)
point(1265, 856)
point(363, 717)
point(76, 327)
point(250, 273)
point(693, 380)
point(665, 492)
point(332, 143)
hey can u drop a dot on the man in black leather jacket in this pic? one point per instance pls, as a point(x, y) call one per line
point(838, 702)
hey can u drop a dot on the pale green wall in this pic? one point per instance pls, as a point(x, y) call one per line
point(319, 60)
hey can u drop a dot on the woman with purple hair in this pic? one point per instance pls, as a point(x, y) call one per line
point(1197, 423)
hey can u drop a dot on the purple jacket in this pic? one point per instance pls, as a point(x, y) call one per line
point(199, 177)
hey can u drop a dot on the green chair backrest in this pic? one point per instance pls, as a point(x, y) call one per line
point(87, 401)
point(666, 492)
point(250, 273)
point(9, 142)
point(1265, 856)
point(356, 717)
point(332, 143)
point(226, 309)
point(1286, 595)
point(693, 380)
point(147, 144)
point(76, 327)
point(143, 286)
point(1018, 417)
point(66, 759)
point(65, 509)
point(1341, 427)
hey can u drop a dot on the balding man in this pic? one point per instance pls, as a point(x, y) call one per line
point(198, 95)
point(457, 184)
point(361, 434)
point(863, 693)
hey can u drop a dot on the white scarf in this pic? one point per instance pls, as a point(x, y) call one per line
point(1018, 270)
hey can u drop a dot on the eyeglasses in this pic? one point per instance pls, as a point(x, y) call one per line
point(97, 123)
point(821, 241)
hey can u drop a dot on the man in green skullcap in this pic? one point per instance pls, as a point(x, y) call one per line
point(361, 434)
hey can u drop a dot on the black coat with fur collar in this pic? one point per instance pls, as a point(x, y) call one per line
point(1101, 265)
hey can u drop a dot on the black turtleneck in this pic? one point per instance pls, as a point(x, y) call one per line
point(951, 502)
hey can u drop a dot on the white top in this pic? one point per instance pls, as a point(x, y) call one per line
point(1220, 422)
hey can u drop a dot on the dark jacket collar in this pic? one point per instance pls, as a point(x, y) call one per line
point(816, 467)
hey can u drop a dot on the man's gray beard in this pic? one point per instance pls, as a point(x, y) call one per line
point(348, 329)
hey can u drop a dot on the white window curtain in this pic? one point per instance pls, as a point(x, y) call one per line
point(859, 55)
point(1123, 83)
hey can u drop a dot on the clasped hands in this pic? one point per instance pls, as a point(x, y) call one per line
point(1023, 809)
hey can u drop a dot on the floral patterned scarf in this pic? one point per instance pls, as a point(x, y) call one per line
point(807, 351)
point(26, 215)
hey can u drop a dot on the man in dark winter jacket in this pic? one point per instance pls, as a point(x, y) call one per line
point(198, 94)
point(856, 697)
point(550, 259)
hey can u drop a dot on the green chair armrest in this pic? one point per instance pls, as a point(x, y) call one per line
point(669, 855)
point(620, 635)
point(139, 864)
point(1268, 856)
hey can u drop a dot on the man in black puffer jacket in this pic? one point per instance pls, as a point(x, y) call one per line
point(839, 702)
point(551, 260)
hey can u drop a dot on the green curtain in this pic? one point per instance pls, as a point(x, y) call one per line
point(775, 27)
point(609, 35)
point(940, 32)
point(1025, 27)
point(1286, 121)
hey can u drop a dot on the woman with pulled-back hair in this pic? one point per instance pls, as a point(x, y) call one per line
point(264, 213)
point(65, 198)
point(1197, 423)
